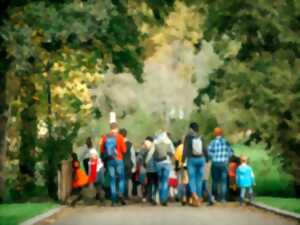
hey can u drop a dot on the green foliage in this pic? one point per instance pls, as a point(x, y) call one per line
point(289, 204)
point(13, 214)
point(271, 178)
point(260, 74)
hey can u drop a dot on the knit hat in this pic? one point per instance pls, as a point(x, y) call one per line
point(218, 131)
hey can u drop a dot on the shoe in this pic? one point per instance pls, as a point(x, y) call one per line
point(153, 202)
point(122, 201)
point(195, 201)
point(164, 204)
point(210, 204)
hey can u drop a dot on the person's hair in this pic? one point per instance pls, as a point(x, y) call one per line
point(113, 126)
point(244, 159)
point(179, 142)
point(194, 126)
point(235, 159)
point(89, 142)
point(74, 156)
point(149, 138)
point(123, 132)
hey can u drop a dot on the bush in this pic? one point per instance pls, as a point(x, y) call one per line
point(271, 179)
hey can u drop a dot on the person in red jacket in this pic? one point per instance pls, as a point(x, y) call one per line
point(113, 149)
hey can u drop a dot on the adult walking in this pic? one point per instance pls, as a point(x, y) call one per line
point(163, 154)
point(146, 157)
point(193, 153)
point(220, 152)
point(129, 162)
point(113, 149)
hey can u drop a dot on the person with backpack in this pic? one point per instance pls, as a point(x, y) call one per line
point(193, 153)
point(113, 149)
point(129, 162)
point(220, 152)
point(163, 153)
point(146, 158)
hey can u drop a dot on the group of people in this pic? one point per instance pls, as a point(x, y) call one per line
point(163, 170)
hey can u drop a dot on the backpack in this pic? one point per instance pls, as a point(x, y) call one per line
point(127, 158)
point(197, 148)
point(161, 151)
point(110, 147)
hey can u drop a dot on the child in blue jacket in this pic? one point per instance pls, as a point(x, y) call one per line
point(245, 179)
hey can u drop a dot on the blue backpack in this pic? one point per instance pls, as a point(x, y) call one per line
point(111, 147)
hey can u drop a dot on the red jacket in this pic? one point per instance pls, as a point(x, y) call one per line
point(121, 146)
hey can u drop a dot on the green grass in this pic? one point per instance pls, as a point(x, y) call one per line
point(289, 204)
point(11, 214)
point(271, 179)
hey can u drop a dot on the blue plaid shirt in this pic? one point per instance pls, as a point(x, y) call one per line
point(220, 150)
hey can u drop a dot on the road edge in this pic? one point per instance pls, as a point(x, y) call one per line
point(278, 211)
point(43, 216)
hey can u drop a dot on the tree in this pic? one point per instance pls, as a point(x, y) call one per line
point(38, 31)
point(259, 44)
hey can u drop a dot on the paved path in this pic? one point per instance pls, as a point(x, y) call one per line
point(174, 214)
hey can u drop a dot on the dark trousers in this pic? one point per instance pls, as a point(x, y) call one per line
point(152, 185)
point(219, 180)
point(86, 165)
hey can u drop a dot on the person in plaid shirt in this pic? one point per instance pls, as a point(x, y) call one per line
point(220, 152)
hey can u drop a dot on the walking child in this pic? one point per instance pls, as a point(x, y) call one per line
point(245, 180)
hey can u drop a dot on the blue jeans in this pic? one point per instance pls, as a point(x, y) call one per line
point(116, 173)
point(195, 166)
point(219, 171)
point(163, 170)
point(243, 192)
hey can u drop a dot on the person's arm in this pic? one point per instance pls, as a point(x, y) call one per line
point(185, 148)
point(122, 144)
point(102, 144)
point(210, 149)
point(252, 176)
point(237, 176)
point(133, 158)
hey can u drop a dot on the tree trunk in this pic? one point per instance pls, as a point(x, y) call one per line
point(28, 132)
point(52, 164)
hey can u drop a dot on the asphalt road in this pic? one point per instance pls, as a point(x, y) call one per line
point(174, 214)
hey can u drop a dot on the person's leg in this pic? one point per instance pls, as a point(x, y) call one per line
point(242, 195)
point(164, 183)
point(199, 176)
point(121, 176)
point(112, 180)
point(86, 166)
point(214, 176)
point(250, 193)
point(149, 187)
point(224, 174)
point(100, 183)
point(192, 174)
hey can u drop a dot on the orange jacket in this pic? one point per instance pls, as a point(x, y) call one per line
point(121, 146)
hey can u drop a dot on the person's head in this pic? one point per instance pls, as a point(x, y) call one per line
point(114, 126)
point(244, 159)
point(74, 156)
point(218, 132)
point(194, 127)
point(123, 132)
point(89, 142)
point(148, 142)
